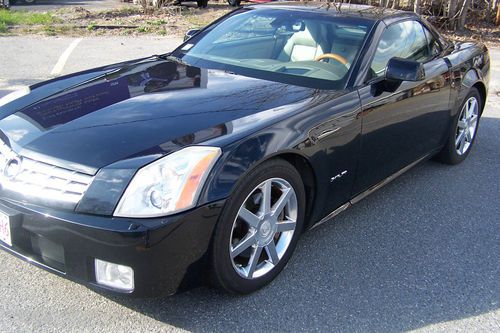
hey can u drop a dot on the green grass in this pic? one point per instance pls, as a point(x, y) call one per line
point(91, 26)
point(198, 20)
point(49, 30)
point(156, 22)
point(65, 21)
point(125, 11)
point(143, 29)
point(17, 17)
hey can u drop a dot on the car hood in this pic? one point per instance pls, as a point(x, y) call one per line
point(91, 119)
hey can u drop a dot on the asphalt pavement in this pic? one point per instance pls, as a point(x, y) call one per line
point(420, 254)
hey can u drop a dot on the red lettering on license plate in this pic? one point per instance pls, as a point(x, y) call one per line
point(5, 229)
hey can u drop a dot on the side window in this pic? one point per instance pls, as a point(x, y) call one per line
point(405, 40)
point(389, 46)
point(416, 43)
point(434, 47)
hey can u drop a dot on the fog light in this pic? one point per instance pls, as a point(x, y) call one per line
point(114, 275)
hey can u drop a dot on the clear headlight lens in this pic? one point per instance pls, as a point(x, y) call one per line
point(168, 185)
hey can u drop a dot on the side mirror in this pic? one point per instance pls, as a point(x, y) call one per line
point(399, 69)
point(190, 33)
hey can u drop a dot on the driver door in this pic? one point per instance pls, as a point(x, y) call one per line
point(402, 126)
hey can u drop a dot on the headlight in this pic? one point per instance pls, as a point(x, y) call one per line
point(168, 185)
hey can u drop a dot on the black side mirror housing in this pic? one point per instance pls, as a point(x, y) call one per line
point(399, 69)
point(190, 33)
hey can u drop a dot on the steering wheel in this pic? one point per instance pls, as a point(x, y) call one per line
point(333, 56)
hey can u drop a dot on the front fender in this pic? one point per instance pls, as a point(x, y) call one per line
point(325, 135)
point(470, 66)
point(244, 155)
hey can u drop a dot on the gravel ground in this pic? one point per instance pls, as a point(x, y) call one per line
point(420, 254)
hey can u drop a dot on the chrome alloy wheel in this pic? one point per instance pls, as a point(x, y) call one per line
point(467, 125)
point(263, 229)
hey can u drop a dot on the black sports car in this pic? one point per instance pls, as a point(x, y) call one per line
point(206, 164)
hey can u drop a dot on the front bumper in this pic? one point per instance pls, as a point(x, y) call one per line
point(166, 254)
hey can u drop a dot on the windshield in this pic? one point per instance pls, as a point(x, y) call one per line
point(304, 48)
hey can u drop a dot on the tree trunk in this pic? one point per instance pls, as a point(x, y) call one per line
point(395, 4)
point(463, 15)
point(452, 8)
point(497, 21)
point(416, 6)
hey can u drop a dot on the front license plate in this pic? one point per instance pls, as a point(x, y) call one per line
point(5, 229)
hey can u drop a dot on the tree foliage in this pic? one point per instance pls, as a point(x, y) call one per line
point(451, 14)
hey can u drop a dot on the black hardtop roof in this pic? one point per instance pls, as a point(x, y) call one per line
point(339, 9)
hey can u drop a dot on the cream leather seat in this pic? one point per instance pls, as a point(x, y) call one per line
point(305, 45)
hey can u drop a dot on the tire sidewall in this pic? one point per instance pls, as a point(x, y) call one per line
point(202, 3)
point(224, 274)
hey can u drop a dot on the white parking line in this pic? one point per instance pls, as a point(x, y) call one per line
point(58, 68)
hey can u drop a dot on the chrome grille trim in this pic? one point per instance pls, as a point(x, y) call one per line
point(41, 180)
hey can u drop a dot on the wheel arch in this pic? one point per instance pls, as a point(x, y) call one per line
point(306, 171)
point(233, 168)
point(471, 79)
point(481, 87)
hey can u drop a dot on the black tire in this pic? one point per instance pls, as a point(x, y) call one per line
point(234, 3)
point(449, 154)
point(202, 3)
point(223, 273)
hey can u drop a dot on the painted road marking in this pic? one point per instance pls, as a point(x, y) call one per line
point(58, 68)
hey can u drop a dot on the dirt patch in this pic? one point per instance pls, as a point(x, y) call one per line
point(479, 29)
point(172, 21)
point(486, 33)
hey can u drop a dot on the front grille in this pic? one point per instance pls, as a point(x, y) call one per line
point(36, 179)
